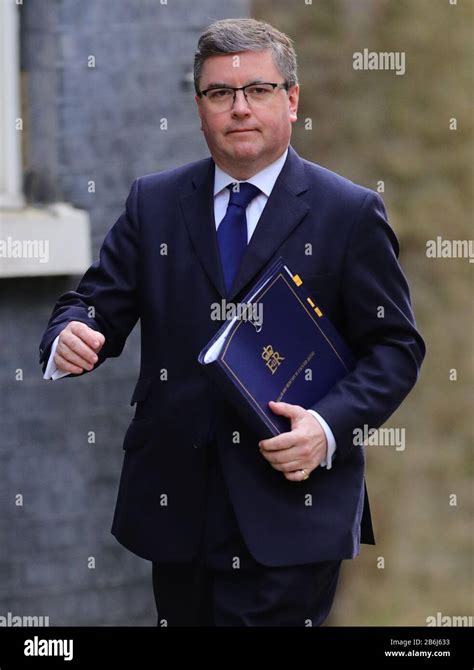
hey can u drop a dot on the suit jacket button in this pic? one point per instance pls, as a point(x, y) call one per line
point(196, 445)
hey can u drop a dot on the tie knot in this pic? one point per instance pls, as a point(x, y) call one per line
point(241, 193)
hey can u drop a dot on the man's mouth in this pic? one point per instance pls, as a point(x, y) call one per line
point(242, 130)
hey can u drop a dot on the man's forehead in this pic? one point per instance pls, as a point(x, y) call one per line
point(253, 64)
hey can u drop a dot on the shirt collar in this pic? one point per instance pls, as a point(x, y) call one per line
point(264, 180)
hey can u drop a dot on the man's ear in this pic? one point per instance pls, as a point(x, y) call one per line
point(293, 98)
point(198, 105)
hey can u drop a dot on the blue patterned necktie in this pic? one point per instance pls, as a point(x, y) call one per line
point(232, 230)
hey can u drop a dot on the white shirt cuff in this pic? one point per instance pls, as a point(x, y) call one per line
point(327, 463)
point(51, 371)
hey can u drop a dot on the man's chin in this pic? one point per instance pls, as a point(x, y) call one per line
point(244, 151)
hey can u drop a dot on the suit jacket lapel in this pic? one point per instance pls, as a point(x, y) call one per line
point(198, 210)
point(282, 213)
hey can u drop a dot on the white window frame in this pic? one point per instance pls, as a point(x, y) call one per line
point(61, 232)
point(11, 190)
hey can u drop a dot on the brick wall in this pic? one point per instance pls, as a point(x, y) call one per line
point(85, 124)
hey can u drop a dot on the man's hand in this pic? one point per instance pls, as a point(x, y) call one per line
point(77, 349)
point(303, 448)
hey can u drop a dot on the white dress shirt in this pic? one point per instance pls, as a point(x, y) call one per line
point(265, 181)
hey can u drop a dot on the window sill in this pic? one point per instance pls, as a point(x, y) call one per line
point(34, 241)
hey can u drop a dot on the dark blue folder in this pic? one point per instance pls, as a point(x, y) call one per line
point(294, 354)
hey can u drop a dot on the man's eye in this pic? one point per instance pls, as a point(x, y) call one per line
point(259, 90)
point(220, 93)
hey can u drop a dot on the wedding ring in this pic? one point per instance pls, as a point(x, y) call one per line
point(305, 476)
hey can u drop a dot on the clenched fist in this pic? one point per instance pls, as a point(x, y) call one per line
point(77, 349)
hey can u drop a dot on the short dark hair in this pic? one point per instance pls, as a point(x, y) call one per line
point(231, 36)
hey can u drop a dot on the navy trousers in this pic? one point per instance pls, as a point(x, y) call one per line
point(226, 586)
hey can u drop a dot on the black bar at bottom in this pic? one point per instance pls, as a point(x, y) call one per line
point(143, 648)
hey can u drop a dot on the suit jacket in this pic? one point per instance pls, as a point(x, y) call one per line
point(160, 263)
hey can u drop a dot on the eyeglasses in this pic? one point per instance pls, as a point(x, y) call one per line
point(223, 97)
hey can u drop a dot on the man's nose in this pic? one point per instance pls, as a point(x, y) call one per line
point(240, 105)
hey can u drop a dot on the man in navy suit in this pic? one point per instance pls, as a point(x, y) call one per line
point(242, 531)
